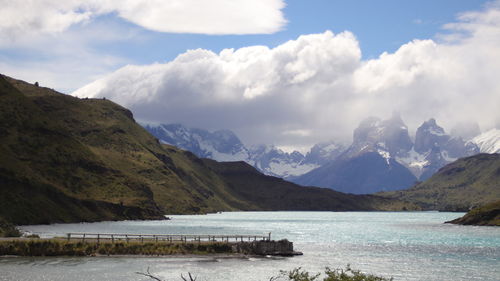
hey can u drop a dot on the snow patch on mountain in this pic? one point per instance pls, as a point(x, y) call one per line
point(285, 170)
point(488, 142)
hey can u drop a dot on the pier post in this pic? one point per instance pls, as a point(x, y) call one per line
point(98, 238)
point(69, 236)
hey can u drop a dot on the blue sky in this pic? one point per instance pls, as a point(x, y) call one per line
point(380, 26)
point(320, 73)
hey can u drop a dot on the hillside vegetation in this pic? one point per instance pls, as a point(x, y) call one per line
point(488, 214)
point(459, 186)
point(65, 159)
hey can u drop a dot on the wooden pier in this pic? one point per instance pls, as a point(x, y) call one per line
point(184, 238)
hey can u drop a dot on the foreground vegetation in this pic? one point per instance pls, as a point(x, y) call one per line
point(347, 274)
point(61, 247)
point(7, 229)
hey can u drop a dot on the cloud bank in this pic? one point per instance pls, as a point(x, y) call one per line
point(19, 18)
point(317, 87)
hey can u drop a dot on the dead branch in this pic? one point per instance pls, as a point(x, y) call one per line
point(190, 277)
point(148, 274)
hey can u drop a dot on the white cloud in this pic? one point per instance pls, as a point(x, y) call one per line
point(25, 17)
point(65, 60)
point(319, 84)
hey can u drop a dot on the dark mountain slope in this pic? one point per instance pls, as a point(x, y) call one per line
point(272, 193)
point(365, 173)
point(466, 183)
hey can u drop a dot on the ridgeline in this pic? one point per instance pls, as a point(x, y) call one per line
point(467, 183)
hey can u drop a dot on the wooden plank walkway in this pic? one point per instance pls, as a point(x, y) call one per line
point(165, 237)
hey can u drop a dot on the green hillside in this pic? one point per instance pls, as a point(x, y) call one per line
point(65, 159)
point(488, 214)
point(69, 159)
point(459, 186)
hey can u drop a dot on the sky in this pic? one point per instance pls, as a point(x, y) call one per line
point(289, 73)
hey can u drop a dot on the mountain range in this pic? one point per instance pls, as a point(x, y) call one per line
point(224, 145)
point(65, 159)
point(381, 157)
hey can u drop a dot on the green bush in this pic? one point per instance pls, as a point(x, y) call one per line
point(347, 274)
point(7, 229)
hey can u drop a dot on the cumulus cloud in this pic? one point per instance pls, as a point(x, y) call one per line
point(19, 18)
point(317, 87)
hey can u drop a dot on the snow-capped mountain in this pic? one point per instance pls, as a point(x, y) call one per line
point(221, 145)
point(383, 157)
point(389, 138)
point(433, 149)
point(274, 161)
point(488, 142)
point(369, 164)
point(324, 152)
point(224, 145)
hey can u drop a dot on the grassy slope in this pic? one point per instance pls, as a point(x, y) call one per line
point(488, 214)
point(465, 183)
point(69, 159)
point(271, 193)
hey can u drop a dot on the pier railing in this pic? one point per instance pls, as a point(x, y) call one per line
point(165, 237)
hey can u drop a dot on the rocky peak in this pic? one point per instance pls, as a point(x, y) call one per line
point(389, 135)
point(395, 135)
point(324, 152)
point(430, 135)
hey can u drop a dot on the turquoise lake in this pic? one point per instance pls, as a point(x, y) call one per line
point(404, 245)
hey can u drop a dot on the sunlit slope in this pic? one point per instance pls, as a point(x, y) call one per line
point(466, 183)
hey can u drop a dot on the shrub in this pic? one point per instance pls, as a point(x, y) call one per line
point(347, 274)
point(8, 230)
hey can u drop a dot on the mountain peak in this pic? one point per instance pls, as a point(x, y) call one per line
point(373, 134)
point(429, 135)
